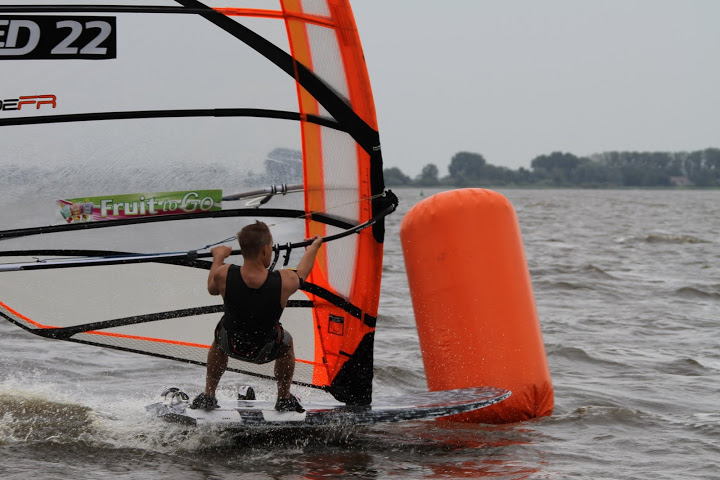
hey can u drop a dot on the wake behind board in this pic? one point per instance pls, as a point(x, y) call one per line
point(242, 414)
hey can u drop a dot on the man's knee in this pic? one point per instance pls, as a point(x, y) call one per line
point(288, 345)
point(287, 340)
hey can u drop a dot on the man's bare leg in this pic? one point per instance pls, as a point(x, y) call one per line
point(284, 370)
point(216, 364)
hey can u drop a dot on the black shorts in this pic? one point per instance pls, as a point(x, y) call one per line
point(251, 351)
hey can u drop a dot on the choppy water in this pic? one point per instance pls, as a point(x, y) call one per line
point(628, 293)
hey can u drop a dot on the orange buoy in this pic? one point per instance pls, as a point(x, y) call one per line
point(473, 302)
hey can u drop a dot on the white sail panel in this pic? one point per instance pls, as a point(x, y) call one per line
point(267, 101)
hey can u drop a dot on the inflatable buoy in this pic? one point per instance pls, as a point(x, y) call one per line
point(473, 302)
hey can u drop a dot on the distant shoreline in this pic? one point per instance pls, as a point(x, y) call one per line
point(697, 169)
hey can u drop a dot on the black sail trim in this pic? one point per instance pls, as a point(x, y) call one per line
point(97, 9)
point(235, 212)
point(339, 302)
point(64, 333)
point(147, 114)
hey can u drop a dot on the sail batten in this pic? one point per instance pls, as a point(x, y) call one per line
point(134, 115)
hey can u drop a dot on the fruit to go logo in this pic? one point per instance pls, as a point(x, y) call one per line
point(139, 205)
point(191, 202)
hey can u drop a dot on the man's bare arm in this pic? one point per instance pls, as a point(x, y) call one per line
point(219, 254)
point(292, 278)
point(308, 260)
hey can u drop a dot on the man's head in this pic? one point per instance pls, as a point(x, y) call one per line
point(253, 239)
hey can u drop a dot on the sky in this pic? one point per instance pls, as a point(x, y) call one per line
point(515, 79)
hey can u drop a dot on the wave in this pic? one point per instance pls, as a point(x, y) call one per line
point(578, 355)
point(397, 379)
point(671, 238)
point(588, 270)
point(699, 293)
point(391, 320)
point(553, 284)
point(28, 418)
point(571, 353)
point(610, 415)
point(597, 272)
point(686, 367)
point(594, 288)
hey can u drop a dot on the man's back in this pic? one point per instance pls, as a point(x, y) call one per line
point(251, 313)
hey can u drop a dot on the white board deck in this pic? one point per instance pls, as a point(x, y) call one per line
point(242, 414)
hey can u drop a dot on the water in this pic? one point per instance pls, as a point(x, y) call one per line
point(628, 293)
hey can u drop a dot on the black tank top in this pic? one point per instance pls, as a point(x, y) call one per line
point(252, 313)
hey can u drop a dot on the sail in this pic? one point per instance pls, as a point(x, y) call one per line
point(136, 135)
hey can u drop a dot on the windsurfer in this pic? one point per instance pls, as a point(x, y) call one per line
point(254, 299)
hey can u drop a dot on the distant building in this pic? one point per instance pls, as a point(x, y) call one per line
point(680, 181)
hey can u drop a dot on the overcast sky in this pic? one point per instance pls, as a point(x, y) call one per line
point(514, 79)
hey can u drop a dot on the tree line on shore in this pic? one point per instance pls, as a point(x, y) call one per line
point(699, 168)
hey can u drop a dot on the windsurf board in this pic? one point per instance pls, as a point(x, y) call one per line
point(245, 414)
